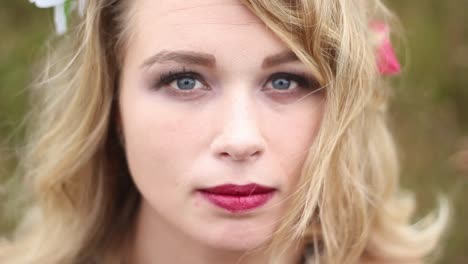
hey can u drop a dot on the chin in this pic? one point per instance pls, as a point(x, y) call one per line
point(239, 239)
point(239, 245)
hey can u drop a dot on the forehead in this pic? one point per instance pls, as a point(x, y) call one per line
point(204, 25)
point(197, 11)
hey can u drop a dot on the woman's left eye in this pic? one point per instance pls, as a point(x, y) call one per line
point(283, 83)
point(287, 82)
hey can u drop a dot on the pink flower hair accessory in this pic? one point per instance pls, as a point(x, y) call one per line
point(387, 61)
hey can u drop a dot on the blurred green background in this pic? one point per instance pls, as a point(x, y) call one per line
point(429, 111)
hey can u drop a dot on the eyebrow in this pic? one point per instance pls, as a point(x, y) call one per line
point(185, 57)
point(280, 58)
point(208, 60)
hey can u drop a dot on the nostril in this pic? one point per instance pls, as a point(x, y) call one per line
point(238, 142)
point(224, 155)
point(241, 154)
point(257, 153)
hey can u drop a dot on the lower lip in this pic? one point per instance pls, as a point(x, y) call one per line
point(236, 204)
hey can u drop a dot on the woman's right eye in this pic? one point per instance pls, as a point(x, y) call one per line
point(186, 83)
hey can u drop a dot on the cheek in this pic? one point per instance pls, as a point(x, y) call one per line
point(160, 141)
point(292, 134)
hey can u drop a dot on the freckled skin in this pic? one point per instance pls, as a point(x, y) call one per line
point(235, 128)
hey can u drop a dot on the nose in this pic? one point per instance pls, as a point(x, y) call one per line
point(240, 138)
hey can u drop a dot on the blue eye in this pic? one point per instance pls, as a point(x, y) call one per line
point(186, 83)
point(281, 83)
point(285, 82)
point(182, 84)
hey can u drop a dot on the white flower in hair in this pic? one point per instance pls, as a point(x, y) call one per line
point(62, 10)
point(47, 3)
point(81, 7)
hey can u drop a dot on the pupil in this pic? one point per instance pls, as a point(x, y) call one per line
point(281, 84)
point(186, 83)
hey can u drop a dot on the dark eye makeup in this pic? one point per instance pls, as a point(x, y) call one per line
point(170, 76)
point(183, 82)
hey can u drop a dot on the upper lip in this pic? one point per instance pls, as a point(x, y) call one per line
point(238, 190)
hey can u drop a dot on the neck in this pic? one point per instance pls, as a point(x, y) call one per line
point(157, 241)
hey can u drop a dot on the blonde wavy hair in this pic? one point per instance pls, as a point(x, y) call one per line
point(348, 205)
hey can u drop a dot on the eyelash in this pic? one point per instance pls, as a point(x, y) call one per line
point(170, 76)
point(303, 81)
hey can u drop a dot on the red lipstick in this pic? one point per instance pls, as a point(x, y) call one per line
point(238, 198)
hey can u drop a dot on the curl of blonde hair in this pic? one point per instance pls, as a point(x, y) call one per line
point(348, 203)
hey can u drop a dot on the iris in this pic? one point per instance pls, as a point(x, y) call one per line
point(186, 83)
point(281, 83)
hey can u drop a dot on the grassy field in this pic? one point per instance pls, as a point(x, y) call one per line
point(429, 112)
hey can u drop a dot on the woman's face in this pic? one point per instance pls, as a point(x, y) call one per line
point(218, 115)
